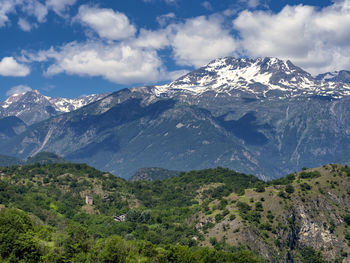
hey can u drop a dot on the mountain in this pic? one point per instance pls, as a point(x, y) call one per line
point(336, 76)
point(253, 78)
point(302, 217)
point(9, 160)
point(265, 116)
point(153, 173)
point(33, 107)
point(41, 158)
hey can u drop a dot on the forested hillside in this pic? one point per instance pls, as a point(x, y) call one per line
point(75, 213)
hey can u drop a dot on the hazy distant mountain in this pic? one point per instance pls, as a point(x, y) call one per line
point(336, 76)
point(264, 116)
point(32, 107)
point(6, 160)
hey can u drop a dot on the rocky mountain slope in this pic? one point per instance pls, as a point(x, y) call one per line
point(32, 107)
point(309, 209)
point(264, 116)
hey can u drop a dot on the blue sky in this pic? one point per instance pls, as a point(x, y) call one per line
point(68, 48)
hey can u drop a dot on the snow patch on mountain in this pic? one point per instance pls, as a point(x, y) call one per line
point(13, 98)
point(67, 105)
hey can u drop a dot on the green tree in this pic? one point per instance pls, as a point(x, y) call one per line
point(112, 250)
point(17, 240)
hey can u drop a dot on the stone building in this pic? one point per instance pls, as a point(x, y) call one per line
point(89, 200)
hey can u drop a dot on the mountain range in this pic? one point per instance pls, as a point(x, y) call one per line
point(32, 107)
point(264, 116)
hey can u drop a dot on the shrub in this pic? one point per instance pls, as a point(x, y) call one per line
point(259, 206)
point(347, 219)
point(313, 174)
point(289, 189)
point(218, 218)
point(260, 188)
point(232, 217)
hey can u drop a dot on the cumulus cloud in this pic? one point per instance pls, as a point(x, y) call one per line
point(60, 6)
point(9, 67)
point(199, 40)
point(152, 39)
point(31, 8)
point(119, 63)
point(20, 89)
point(24, 25)
point(128, 57)
point(315, 39)
point(165, 19)
point(6, 7)
point(106, 23)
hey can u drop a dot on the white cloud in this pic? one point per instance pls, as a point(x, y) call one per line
point(20, 89)
point(24, 25)
point(316, 39)
point(151, 39)
point(251, 3)
point(173, 75)
point(106, 23)
point(119, 63)
point(6, 7)
point(60, 6)
point(31, 8)
point(34, 8)
point(199, 40)
point(207, 5)
point(11, 68)
point(135, 59)
point(165, 19)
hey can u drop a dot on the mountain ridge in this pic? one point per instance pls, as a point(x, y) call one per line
point(260, 78)
point(33, 107)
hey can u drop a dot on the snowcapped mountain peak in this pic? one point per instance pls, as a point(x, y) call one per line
point(32, 106)
point(262, 77)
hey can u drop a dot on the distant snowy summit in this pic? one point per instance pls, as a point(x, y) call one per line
point(33, 107)
point(336, 76)
point(260, 78)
